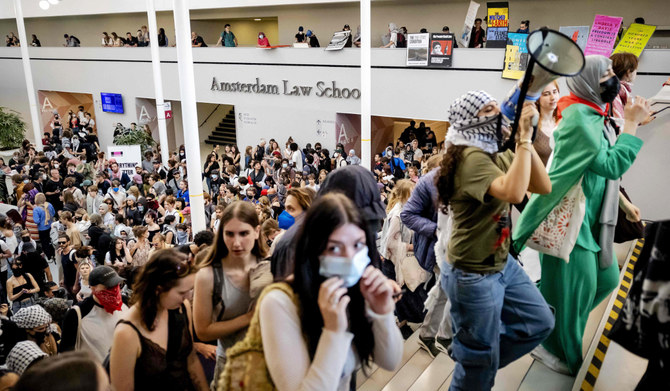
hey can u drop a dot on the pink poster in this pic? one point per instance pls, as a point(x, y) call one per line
point(603, 35)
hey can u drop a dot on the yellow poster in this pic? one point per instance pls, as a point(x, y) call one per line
point(498, 17)
point(635, 39)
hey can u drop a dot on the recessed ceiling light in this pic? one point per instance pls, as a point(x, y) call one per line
point(257, 19)
point(44, 4)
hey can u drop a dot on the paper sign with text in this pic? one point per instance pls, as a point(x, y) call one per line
point(603, 35)
point(635, 39)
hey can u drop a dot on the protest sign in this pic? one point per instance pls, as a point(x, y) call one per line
point(516, 56)
point(441, 47)
point(578, 34)
point(464, 38)
point(635, 39)
point(127, 156)
point(603, 35)
point(498, 24)
point(338, 40)
point(417, 49)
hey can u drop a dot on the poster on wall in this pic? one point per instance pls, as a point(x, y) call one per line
point(578, 34)
point(635, 39)
point(464, 38)
point(603, 35)
point(61, 103)
point(516, 56)
point(127, 156)
point(348, 132)
point(498, 24)
point(441, 49)
point(417, 49)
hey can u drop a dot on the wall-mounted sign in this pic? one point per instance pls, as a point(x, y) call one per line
point(167, 106)
point(516, 56)
point(322, 89)
point(498, 24)
point(417, 49)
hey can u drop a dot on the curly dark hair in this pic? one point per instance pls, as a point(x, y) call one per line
point(445, 178)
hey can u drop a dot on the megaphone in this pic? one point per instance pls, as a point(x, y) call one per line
point(557, 55)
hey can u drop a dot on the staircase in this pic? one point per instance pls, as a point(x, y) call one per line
point(225, 132)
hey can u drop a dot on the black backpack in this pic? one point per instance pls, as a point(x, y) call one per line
point(398, 173)
point(400, 41)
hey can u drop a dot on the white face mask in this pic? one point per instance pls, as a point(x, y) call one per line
point(260, 36)
point(348, 269)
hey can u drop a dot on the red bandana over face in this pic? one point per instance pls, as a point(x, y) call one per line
point(110, 299)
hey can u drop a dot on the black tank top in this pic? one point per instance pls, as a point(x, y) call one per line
point(27, 285)
point(158, 369)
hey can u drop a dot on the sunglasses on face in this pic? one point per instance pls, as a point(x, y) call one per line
point(62, 243)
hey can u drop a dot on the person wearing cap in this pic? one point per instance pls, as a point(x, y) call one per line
point(36, 322)
point(352, 159)
point(23, 355)
point(300, 36)
point(89, 325)
point(313, 40)
point(350, 38)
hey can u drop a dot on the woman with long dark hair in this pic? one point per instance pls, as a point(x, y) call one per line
point(222, 298)
point(498, 314)
point(343, 314)
point(153, 344)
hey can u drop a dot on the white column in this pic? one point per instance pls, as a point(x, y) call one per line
point(366, 86)
point(182, 25)
point(158, 81)
point(25, 57)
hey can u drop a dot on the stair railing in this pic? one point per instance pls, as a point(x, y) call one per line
point(210, 114)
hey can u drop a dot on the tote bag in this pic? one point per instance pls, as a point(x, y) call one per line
point(557, 234)
point(412, 273)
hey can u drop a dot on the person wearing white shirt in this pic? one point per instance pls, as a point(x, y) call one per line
point(296, 157)
point(342, 320)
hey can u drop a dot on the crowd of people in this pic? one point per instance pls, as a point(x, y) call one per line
point(309, 254)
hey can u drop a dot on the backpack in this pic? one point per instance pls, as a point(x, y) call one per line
point(245, 368)
point(395, 169)
point(400, 41)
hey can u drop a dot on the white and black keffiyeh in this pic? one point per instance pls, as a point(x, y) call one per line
point(469, 129)
point(22, 355)
point(31, 317)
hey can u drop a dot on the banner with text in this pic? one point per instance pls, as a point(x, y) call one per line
point(603, 35)
point(635, 39)
point(464, 38)
point(498, 24)
point(578, 34)
point(417, 49)
point(147, 115)
point(516, 56)
point(441, 49)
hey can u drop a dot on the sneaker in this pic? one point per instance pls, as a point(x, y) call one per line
point(443, 345)
point(428, 344)
point(550, 361)
point(406, 331)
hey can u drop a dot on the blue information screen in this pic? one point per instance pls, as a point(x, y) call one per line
point(112, 103)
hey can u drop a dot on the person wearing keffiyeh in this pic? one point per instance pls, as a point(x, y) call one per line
point(498, 314)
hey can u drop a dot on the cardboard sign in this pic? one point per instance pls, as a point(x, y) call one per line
point(635, 39)
point(603, 35)
point(578, 34)
point(498, 24)
point(441, 48)
point(464, 38)
point(338, 40)
point(516, 56)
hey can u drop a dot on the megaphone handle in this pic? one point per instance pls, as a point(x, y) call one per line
point(519, 105)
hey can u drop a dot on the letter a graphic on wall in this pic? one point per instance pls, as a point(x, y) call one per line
point(144, 116)
point(342, 136)
point(47, 104)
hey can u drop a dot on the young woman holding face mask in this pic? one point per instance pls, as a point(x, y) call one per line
point(575, 288)
point(345, 312)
